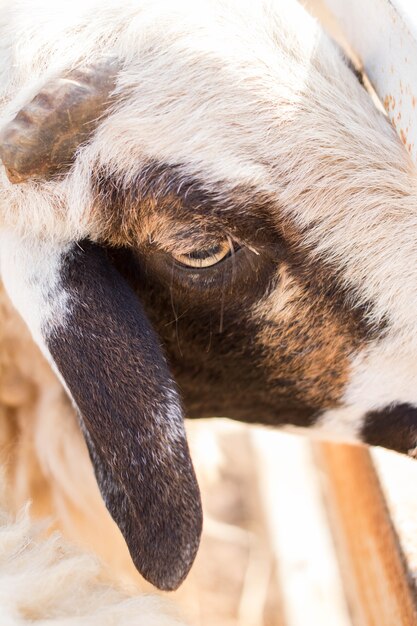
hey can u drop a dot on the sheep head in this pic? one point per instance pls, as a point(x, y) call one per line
point(224, 211)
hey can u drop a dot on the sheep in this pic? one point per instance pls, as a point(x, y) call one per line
point(201, 196)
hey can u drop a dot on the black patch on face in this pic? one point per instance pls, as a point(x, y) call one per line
point(394, 427)
point(112, 363)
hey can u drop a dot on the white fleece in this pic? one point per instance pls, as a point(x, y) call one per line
point(46, 582)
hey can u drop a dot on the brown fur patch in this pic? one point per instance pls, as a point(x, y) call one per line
point(165, 206)
point(265, 337)
point(304, 339)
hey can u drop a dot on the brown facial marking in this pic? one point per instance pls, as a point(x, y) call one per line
point(161, 201)
point(305, 339)
point(267, 335)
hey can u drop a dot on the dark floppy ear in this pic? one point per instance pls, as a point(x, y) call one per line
point(98, 336)
point(114, 368)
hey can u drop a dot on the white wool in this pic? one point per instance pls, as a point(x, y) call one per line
point(47, 581)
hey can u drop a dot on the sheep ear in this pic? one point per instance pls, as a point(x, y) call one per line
point(110, 360)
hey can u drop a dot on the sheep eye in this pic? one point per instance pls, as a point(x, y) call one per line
point(206, 257)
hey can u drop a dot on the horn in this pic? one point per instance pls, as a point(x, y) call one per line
point(44, 136)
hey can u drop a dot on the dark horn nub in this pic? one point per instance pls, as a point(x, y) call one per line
point(43, 137)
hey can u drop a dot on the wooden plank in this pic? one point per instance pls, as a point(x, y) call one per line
point(384, 35)
point(371, 561)
point(397, 474)
point(299, 534)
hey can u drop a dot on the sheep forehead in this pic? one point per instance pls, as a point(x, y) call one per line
point(217, 61)
point(163, 107)
point(213, 100)
point(210, 89)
